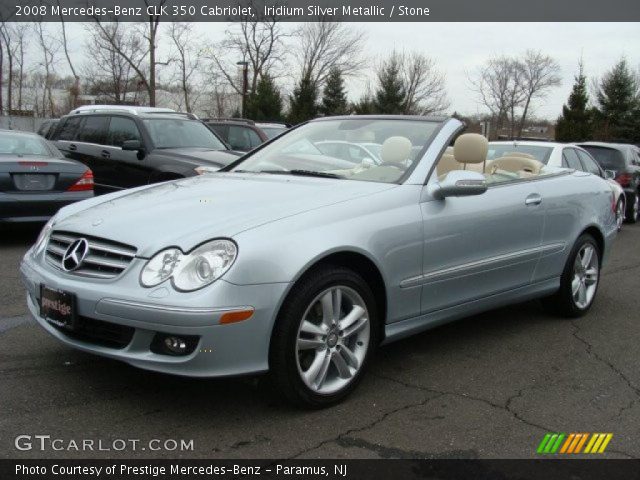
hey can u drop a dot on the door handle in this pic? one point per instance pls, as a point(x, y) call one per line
point(72, 147)
point(105, 154)
point(533, 199)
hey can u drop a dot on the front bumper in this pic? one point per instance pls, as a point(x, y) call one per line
point(222, 350)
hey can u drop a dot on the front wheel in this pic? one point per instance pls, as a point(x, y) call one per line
point(620, 213)
point(323, 338)
point(633, 208)
point(579, 281)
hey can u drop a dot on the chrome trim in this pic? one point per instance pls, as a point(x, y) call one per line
point(170, 308)
point(460, 270)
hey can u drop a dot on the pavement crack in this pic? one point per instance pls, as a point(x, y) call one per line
point(347, 433)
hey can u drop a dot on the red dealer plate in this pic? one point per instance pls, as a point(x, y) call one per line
point(57, 307)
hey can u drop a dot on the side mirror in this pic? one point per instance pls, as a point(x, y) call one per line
point(460, 183)
point(610, 174)
point(131, 145)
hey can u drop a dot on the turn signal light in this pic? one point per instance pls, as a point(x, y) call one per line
point(236, 316)
point(83, 184)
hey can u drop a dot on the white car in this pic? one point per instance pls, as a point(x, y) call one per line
point(556, 154)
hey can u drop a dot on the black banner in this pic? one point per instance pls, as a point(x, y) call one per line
point(574, 469)
point(314, 10)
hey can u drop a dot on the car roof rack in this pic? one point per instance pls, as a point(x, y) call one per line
point(132, 109)
point(238, 120)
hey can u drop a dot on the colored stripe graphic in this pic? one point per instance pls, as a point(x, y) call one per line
point(573, 443)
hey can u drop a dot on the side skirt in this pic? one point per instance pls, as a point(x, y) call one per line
point(405, 328)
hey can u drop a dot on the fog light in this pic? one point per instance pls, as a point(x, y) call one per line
point(175, 345)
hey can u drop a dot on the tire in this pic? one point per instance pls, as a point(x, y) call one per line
point(633, 208)
point(620, 212)
point(580, 276)
point(315, 362)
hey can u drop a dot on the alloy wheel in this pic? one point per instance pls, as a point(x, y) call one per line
point(333, 339)
point(585, 276)
point(620, 214)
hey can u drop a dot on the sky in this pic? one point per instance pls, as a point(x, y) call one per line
point(460, 48)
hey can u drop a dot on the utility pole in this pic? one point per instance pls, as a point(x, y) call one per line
point(245, 85)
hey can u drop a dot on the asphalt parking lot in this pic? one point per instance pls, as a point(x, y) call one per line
point(490, 386)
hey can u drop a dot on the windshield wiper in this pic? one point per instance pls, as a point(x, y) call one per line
point(303, 173)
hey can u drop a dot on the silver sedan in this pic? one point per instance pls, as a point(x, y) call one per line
point(299, 264)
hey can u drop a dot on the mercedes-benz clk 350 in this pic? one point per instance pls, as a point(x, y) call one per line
point(298, 264)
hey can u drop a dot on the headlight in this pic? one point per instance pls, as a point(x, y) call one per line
point(192, 271)
point(205, 170)
point(44, 236)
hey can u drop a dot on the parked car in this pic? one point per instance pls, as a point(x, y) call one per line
point(241, 135)
point(36, 180)
point(270, 266)
point(624, 161)
point(131, 146)
point(350, 151)
point(272, 130)
point(563, 155)
point(47, 128)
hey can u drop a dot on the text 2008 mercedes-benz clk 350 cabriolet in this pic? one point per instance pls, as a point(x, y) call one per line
point(298, 261)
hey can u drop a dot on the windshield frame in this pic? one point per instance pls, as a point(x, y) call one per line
point(439, 121)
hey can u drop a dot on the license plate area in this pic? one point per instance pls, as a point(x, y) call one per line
point(58, 307)
point(34, 182)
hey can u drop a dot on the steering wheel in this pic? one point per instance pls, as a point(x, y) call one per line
point(398, 165)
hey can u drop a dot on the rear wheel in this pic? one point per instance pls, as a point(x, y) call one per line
point(323, 337)
point(579, 281)
point(633, 208)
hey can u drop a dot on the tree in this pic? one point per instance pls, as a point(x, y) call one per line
point(75, 90)
point(303, 103)
point(540, 72)
point(326, 45)
point(424, 84)
point(575, 123)
point(618, 102)
point(48, 51)
point(334, 97)
point(187, 57)
point(265, 104)
point(258, 40)
point(391, 94)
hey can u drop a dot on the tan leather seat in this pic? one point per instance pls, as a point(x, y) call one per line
point(520, 165)
point(470, 150)
point(447, 164)
point(519, 154)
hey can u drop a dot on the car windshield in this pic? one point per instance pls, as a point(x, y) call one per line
point(303, 151)
point(21, 145)
point(272, 132)
point(181, 133)
point(608, 158)
point(539, 152)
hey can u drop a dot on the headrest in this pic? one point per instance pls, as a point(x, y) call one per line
point(470, 148)
point(516, 164)
point(362, 136)
point(395, 149)
point(447, 163)
point(519, 154)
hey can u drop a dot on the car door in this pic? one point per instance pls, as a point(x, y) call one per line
point(65, 136)
point(479, 246)
point(126, 168)
point(88, 143)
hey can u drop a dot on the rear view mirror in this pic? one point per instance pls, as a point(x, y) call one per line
point(609, 174)
point(460, 183)
point(131, 145)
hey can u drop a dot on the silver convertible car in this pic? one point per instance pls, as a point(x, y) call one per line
point(299, 264)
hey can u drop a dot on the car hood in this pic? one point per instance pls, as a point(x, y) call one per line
point(185, 213)
point(203, 156)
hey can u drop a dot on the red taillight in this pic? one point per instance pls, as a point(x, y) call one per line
point(85, 183)
point(624, 179)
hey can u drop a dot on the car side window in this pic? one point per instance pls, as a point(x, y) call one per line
point(239, 137)
point(221, 130)
point(254, 138)
point(122, 129)
point(69, 129)
point(570, 159)
point(589, 163)
point(93, 130)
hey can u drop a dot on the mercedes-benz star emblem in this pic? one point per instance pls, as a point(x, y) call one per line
point(75, 254)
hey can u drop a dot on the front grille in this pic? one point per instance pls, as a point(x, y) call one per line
point(106, 259)
point(105, 334)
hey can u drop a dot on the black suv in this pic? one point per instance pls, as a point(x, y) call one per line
point(131, 146)
point(240, 134)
